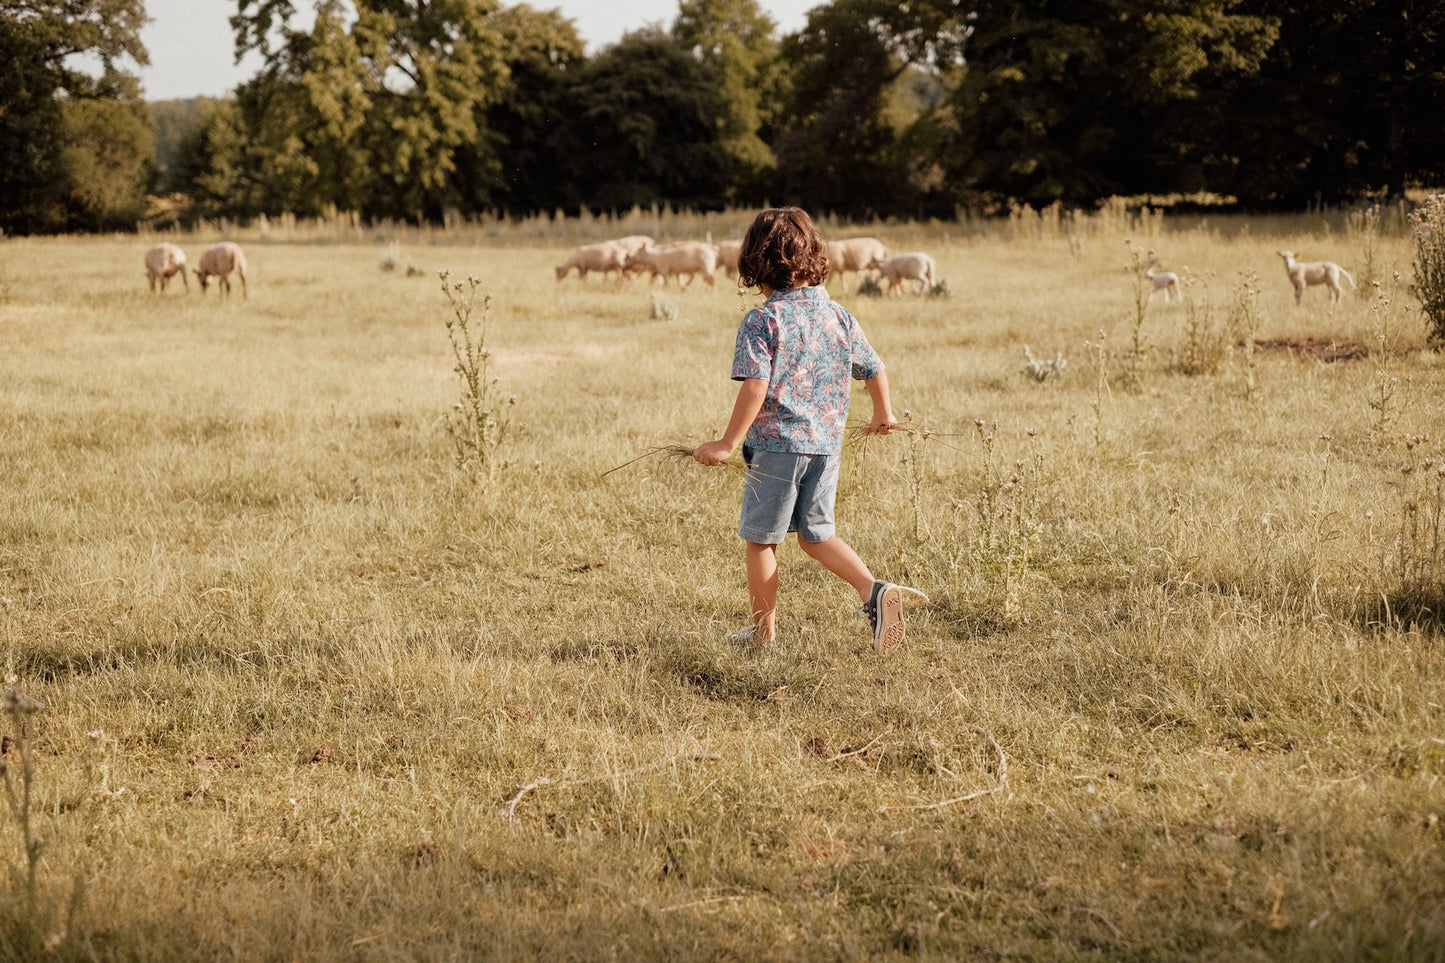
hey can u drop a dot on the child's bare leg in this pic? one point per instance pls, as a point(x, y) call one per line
point(763, 587)
point(840, 559)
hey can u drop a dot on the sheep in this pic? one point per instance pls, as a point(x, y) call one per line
point(914, 266)
point(218, 261)
point(1166, 281)
point(163, 262)
point(603, 257)
point(1306, 273)
point(691, 258)
point(633, 243)
point(727, 256)
point(853, 254)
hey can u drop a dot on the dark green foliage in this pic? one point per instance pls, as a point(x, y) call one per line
point(529, 121)
point(1061, 102)
point(646, 128)
point(734, 40)
point(423, 110)
point(53, 144)
point(835, 150)
point(1347, 102)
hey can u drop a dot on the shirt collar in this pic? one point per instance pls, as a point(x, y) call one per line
point(814, 292)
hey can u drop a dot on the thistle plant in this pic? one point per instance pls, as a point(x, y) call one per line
point(1416, 565)
point(1243, 325)
point(1140, 262)
point(1428, 224)
point(28, 928)
point(1009, 524)
point(479, 421)
point(1366, 225)
point(1206, 343)
point(1099, 352)
point(1383, 383)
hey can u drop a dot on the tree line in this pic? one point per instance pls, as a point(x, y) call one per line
point(419, 109)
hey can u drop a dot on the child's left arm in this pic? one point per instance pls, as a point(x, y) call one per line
point(882, 421)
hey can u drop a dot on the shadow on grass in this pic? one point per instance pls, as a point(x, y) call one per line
point(1418, 609)
point(52, 664)
point(963, 618)
point(727, 676)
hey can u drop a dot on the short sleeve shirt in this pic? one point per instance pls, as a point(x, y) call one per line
point(807, 348)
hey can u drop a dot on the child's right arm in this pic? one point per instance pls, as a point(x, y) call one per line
point(745, 410)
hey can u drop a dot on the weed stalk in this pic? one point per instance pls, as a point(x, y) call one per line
point(1140, 262)
point(1243, 325)
point(478, 422)
point(1428, 223)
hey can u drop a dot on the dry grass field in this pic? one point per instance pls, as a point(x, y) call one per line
point(312, 691)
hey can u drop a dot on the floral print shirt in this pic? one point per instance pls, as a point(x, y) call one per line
point(806, 347)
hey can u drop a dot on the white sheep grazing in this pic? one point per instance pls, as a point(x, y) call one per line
point(633, 243)
point(853, 254)
point(603, 257)
point(163, 262)
point(1166, 281)
point(685, 258)
point(1304, 273)
point(218, 261)
point(914, 266)
point(727, 256)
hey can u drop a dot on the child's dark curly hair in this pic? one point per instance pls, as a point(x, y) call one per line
point(783, 249)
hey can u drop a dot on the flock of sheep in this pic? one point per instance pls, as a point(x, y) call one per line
point(165, 261)
point(625, 257)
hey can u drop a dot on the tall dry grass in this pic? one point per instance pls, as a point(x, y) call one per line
point(1178, 695)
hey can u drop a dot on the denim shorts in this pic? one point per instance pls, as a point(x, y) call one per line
point(786, 492)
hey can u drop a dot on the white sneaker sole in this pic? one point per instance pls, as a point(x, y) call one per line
point(890, 618)
point(890, 621)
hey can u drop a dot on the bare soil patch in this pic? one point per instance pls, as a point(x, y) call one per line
point(1326, 351)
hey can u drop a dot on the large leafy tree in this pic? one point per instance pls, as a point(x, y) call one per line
point(531, 168)
point(646, 127)
point(53, 102)
point(1347, 104)
point(736, 41)
point(107, 151)
point(371, 108)
point(836, 146)
point(1073, 102)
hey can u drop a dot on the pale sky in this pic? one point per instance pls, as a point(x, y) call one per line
point(193, 50)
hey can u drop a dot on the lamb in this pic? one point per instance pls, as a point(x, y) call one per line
point(690, 258)
point(914, 266)
point(218, 261)
point(1304, 273)
point(604, 256)
point(163, 262)
point(854, 254)
point(1166, 281)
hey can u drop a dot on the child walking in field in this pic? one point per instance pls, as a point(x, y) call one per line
point(795, 355)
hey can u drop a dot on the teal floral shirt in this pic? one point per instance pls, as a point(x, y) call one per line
point(806, 347)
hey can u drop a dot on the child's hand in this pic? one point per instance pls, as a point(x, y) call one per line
point(712, 453)
point(882, 424)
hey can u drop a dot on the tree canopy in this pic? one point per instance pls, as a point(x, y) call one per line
point(74, 142)
point(423, 108)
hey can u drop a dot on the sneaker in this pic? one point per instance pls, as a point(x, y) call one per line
point(748, 637)
point(884, 611)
